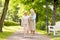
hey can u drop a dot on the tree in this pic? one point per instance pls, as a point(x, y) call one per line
point(54, 12)
point(4, 14)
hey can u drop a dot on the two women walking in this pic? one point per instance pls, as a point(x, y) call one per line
point(28, 22)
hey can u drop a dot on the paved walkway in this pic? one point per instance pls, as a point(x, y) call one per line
point(20, 36)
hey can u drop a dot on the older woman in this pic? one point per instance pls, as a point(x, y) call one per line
point(32, 19)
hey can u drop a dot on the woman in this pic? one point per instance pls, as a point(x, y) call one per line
point(32, 19)
point(24, 22)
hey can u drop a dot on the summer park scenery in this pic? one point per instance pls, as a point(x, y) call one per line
point(47, 13)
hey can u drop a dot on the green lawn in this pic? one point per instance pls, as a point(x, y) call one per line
point(7, 31)
point(51, 36)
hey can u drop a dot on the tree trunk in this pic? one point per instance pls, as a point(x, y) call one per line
point(4, 14)
point(54, 12)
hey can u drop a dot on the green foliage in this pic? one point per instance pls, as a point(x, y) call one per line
point(41, 25)
point(25, 2)
point(58, 16)
point(10, 23)
point(0, 3)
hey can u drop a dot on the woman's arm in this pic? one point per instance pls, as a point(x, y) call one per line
point(34, 16)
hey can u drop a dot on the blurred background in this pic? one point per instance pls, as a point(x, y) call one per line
point(47, 13)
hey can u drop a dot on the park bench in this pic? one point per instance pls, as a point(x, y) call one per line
point(54, 28)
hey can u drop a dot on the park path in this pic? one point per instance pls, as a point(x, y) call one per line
point(20, 36)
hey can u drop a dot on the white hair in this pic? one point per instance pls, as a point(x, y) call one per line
point(32, 10)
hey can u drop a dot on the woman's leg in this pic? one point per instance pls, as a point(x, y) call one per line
point(24, 31)
point(27, 31)
point(33, 32)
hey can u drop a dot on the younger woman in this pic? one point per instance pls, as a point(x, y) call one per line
point(25, 23)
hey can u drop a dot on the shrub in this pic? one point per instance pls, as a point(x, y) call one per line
point(41, 25)
point(10, 23)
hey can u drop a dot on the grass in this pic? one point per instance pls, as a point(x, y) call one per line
point(51, 36)
point(7, 31)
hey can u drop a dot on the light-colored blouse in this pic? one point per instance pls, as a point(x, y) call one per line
point(24, 20)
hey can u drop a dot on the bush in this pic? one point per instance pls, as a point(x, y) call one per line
point(41, 25)
point(57, 16)
point(10, 23)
